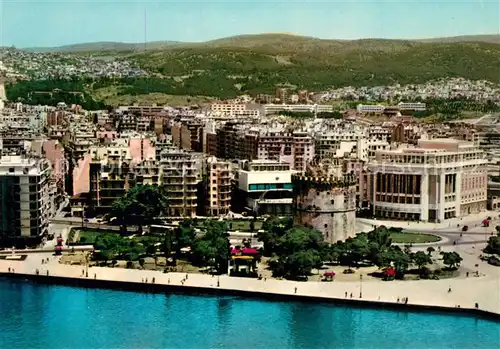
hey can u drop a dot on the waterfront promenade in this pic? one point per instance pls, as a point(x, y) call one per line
point(465, 292)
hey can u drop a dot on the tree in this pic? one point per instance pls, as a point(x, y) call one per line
point(451, 259)
point(493, 245)
point(140, 205)
point(421, 259)
point(430, 249)
point(298, 251)
point(272, 230)
point(214, 247)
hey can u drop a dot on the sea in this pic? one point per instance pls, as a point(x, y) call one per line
point(44, 316)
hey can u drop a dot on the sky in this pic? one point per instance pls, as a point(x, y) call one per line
point(47, 23)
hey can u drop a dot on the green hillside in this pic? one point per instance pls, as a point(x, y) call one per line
point(254, 64)
point(257, 63)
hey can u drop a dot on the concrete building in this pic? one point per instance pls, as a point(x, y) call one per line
point(265, 187)
point(296, 148)
point(181, 178)
point(26, 204)
point(438, 180)
point(312, 108)
point(217, 187)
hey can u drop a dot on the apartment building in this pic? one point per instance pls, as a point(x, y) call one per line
point(181, 178)
point(295, 148)
point(228, 108)
point(327, 142)
point(438, 180)
point(110, 175)
point(217, 187)
point(312, 108)
point(265, 187)
point(188, 135)
point(26, 204)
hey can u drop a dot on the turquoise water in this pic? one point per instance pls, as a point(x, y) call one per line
point(39, 316)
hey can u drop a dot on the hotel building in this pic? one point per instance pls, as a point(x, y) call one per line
point(438, 180)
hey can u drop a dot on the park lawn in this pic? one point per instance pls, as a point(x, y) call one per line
point(89, 236)
point(413, 238)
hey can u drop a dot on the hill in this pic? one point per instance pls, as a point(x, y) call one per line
point(257, 63)
point(492, 39)
point(105, 46)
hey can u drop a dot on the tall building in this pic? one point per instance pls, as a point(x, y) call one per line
point(25, 201)
point(438, 180)
point(217, 187)
point(181, 177)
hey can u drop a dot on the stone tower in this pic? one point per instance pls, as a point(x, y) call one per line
point(326, 200)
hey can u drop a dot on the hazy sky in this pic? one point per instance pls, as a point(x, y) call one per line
point(28, 23)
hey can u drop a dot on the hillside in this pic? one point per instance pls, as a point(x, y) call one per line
point(105, 46)
point(257, 63)
point(492, 39)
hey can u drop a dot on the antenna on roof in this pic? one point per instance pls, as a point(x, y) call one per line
point(145, 29)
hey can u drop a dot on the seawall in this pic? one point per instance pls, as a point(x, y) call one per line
point(271, 296)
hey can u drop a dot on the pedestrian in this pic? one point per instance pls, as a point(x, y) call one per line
point(83, 272)
point(153, 281)
point(476, 305)
point(169, 281)
point(398, 299)
point(467, 274)
point(47, 273)
point(218, 284)
point(186, 276)
point(142, 280)
point(346, 294)
point(95, 276)
point(406, 300)
point(449, 289)
point(146, 280)
point(9, 269)
point(351, 294)
point(295, 289)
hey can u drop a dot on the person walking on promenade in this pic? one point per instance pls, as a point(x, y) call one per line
point(95, 276)
point(351, 294)
point(169, 281)
point(47, 273)
point(153, 281)
point(9, 269)
point(398, 300)
point(146, 280)
point(449, 289)
point(186, 276)
point(345, 294)
point(295, 289)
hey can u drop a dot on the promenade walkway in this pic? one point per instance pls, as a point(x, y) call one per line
point(465, 292)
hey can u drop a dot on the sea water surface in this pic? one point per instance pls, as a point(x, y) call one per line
point(41, 316)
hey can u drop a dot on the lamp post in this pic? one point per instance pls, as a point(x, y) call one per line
point(360, 285)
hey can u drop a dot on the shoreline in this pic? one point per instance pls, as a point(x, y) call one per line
point(162, 288)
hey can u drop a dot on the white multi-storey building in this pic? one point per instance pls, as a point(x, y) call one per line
point(438, 180)
point(266, 187)
point(25, 197)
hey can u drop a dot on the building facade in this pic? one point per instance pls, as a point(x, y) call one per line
point(438, 180)
point(26, 204)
